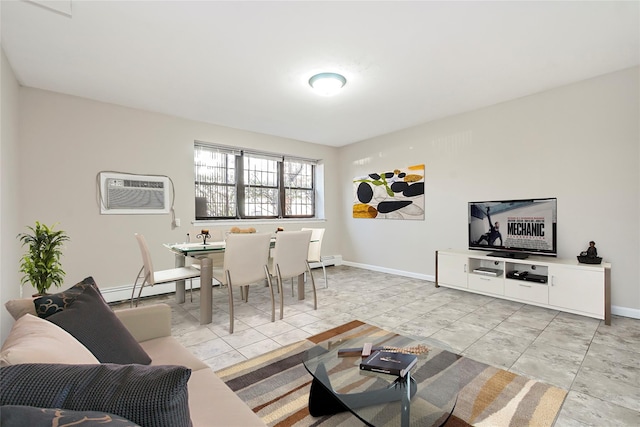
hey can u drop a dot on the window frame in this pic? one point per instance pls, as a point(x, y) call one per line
point(241, 186)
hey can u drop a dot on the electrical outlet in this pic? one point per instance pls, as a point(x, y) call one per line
point(177, 222)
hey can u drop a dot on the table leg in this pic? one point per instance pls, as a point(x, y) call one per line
point(206, 290)
point(180, 288)
point(301, 287)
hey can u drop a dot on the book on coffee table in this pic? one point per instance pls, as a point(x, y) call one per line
point(388, 362)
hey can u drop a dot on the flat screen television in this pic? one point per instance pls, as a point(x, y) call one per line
point(514, 228)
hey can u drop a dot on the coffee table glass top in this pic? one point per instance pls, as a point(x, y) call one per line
point(426, 397)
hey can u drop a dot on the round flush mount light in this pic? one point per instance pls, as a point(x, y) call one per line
point(327, 84)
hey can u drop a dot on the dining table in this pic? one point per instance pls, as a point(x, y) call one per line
point(201, 251)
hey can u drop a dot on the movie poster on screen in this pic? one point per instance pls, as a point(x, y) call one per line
point(523, 225)
point(390, 194)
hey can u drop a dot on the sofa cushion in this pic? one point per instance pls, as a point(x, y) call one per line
point(20, 416)
point(204, 386)
point(92, 322)
point(168, 351)
point(147, 395)
point(34, 340)
point(47, 305)
point(19, 307)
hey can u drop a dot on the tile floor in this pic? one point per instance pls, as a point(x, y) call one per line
point(599, 365)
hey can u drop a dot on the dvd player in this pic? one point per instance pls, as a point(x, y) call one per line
point(488, 271)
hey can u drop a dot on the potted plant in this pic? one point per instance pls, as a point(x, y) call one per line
point(41, 264)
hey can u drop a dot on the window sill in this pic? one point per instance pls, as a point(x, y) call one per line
point(245, 222)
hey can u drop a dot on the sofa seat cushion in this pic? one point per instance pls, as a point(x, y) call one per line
point(229, 410)
point(151, 396)
point(20, 416)
point(168, 351)
point(34, 340)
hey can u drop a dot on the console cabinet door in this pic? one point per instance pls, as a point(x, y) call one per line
point(577, 289)
point(452, 270)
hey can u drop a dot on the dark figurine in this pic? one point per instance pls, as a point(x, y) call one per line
point(590, 256)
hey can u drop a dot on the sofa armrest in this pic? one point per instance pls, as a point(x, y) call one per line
point(147, 322)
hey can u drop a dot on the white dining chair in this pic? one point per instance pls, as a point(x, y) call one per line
point(150, 277)
point(290, 260)
point(315, 248)
point(246, 257)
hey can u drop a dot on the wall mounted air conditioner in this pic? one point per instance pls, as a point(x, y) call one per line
point(130, 194)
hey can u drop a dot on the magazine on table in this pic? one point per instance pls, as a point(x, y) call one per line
point(391, 363)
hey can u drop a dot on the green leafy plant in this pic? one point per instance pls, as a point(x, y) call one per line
point(41, 263)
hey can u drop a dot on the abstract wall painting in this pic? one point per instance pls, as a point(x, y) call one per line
point(397, 194)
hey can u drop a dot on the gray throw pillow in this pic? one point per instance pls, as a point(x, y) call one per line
point(92, 322)
point(20, 416)
point(151, 396)
point(47, 305)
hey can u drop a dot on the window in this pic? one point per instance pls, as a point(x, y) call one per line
point(232, 183)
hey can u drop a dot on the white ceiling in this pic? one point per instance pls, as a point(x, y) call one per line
point(246, 64)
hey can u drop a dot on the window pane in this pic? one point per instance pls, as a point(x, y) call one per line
point(260, 201)
point(298, 202)
point(221, 200)
point(215, 176)
point(260, 172)
point(214, 167)
point(298, 175)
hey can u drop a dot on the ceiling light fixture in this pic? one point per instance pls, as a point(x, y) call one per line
point(327, 84)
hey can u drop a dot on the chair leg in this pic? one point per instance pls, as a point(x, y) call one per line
point(313, 286)
point(281, 292)
point(273, 303)
point(230, 302)
point(140, 292)
point(324, 271)
point(133, 291)
point(191, 288)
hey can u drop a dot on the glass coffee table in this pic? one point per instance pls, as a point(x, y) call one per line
point(424, 397)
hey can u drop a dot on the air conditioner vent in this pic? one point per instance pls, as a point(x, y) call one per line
point(133, 194)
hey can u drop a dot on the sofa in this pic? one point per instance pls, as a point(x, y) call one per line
point(174, 384)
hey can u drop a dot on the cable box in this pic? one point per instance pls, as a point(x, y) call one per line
point(488, 271)
point(527, 277)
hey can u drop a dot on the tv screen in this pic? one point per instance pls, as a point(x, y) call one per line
point(514, 228)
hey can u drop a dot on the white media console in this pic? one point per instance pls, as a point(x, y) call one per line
point(559, 284)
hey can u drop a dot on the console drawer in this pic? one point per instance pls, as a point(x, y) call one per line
point(488, 284)
point(527, 291)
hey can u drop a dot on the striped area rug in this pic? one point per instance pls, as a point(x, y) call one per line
point(276, 386)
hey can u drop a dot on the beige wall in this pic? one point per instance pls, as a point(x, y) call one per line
point(9, 204)
point(578, 143)
point(66, 141)
point(545, 145)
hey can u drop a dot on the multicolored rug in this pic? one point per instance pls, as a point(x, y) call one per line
point(276, 385)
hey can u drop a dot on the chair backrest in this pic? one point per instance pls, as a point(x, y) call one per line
point(245, 257)
point(290, 252)
point(315, 245)
point(146, 259)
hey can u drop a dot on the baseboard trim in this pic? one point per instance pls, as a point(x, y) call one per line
point(391, 271)
point(123, 293)
point(625, 312)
